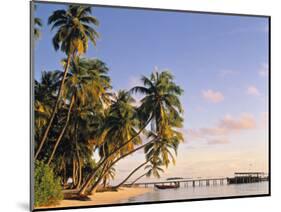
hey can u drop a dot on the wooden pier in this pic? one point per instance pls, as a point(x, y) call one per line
point(239, 177)
point(186, 183)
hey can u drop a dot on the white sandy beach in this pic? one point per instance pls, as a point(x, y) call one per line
point(101, 198)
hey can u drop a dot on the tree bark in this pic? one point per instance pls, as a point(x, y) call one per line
point(55, 109)
point(136, 169)
point(63, 130)
point(79, 170)
point(83, 189)
point(91, 176)
point(73, 173)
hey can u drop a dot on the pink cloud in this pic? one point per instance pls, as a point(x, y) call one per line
point(253, 91)
point(245, 121)
point(218, 134)
point(212, 96)
point(213, 131)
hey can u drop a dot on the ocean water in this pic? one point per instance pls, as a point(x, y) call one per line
point(202, 192)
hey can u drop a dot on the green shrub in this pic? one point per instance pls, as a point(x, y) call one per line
point(47, 187)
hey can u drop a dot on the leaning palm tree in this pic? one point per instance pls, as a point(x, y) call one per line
point(120, 125)
point(131, 174)
point(108, 176)
point(161, 103)
point(74, 30)
point(154, 168)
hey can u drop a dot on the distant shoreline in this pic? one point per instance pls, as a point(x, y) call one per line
point(102, 198)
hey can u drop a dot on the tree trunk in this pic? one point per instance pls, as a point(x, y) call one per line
point(95, 185)
point(91, 176)
point(79, 175)
point(137, 179)
point(73, 173)
point(136, 169)
point(83, 189)
point(104, 182)
point(55, 109)
point(63, 130)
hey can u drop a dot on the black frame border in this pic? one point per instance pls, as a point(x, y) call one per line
point(31, 120)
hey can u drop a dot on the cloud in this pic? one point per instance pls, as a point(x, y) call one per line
point(213, 131)
point(225, 126)
point(212, 96)
point(218, 141)
point(245, 121)
point(263, 71)
point(253, 91)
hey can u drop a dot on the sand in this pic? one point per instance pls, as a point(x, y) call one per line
point(109, 197)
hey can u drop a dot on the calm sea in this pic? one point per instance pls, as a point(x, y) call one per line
point(202, 192)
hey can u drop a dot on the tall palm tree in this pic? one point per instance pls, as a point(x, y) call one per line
point(74, 30)
point(161, 101)
point(86, 86)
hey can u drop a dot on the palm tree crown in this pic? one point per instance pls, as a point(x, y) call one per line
point(73, 29)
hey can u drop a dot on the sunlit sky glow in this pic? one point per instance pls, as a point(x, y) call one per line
point(220, 61)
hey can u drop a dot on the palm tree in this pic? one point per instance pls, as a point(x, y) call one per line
point(44, 98)
point(119, 125)
point(154, 168)
point(74, 29)
point(131, 174)
point(109, 175)
point(161, 103)
point(37, 25)
point(138, 178)
point(86, 86)
point(161, 92)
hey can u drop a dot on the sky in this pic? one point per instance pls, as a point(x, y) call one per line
point(220, 61)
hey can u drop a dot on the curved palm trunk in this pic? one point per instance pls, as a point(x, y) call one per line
point(138, 179)
point(63, 130)
point(95, 185)
point(91, 176)
point(83, 189)
point(55, 109)
point(136, 169)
